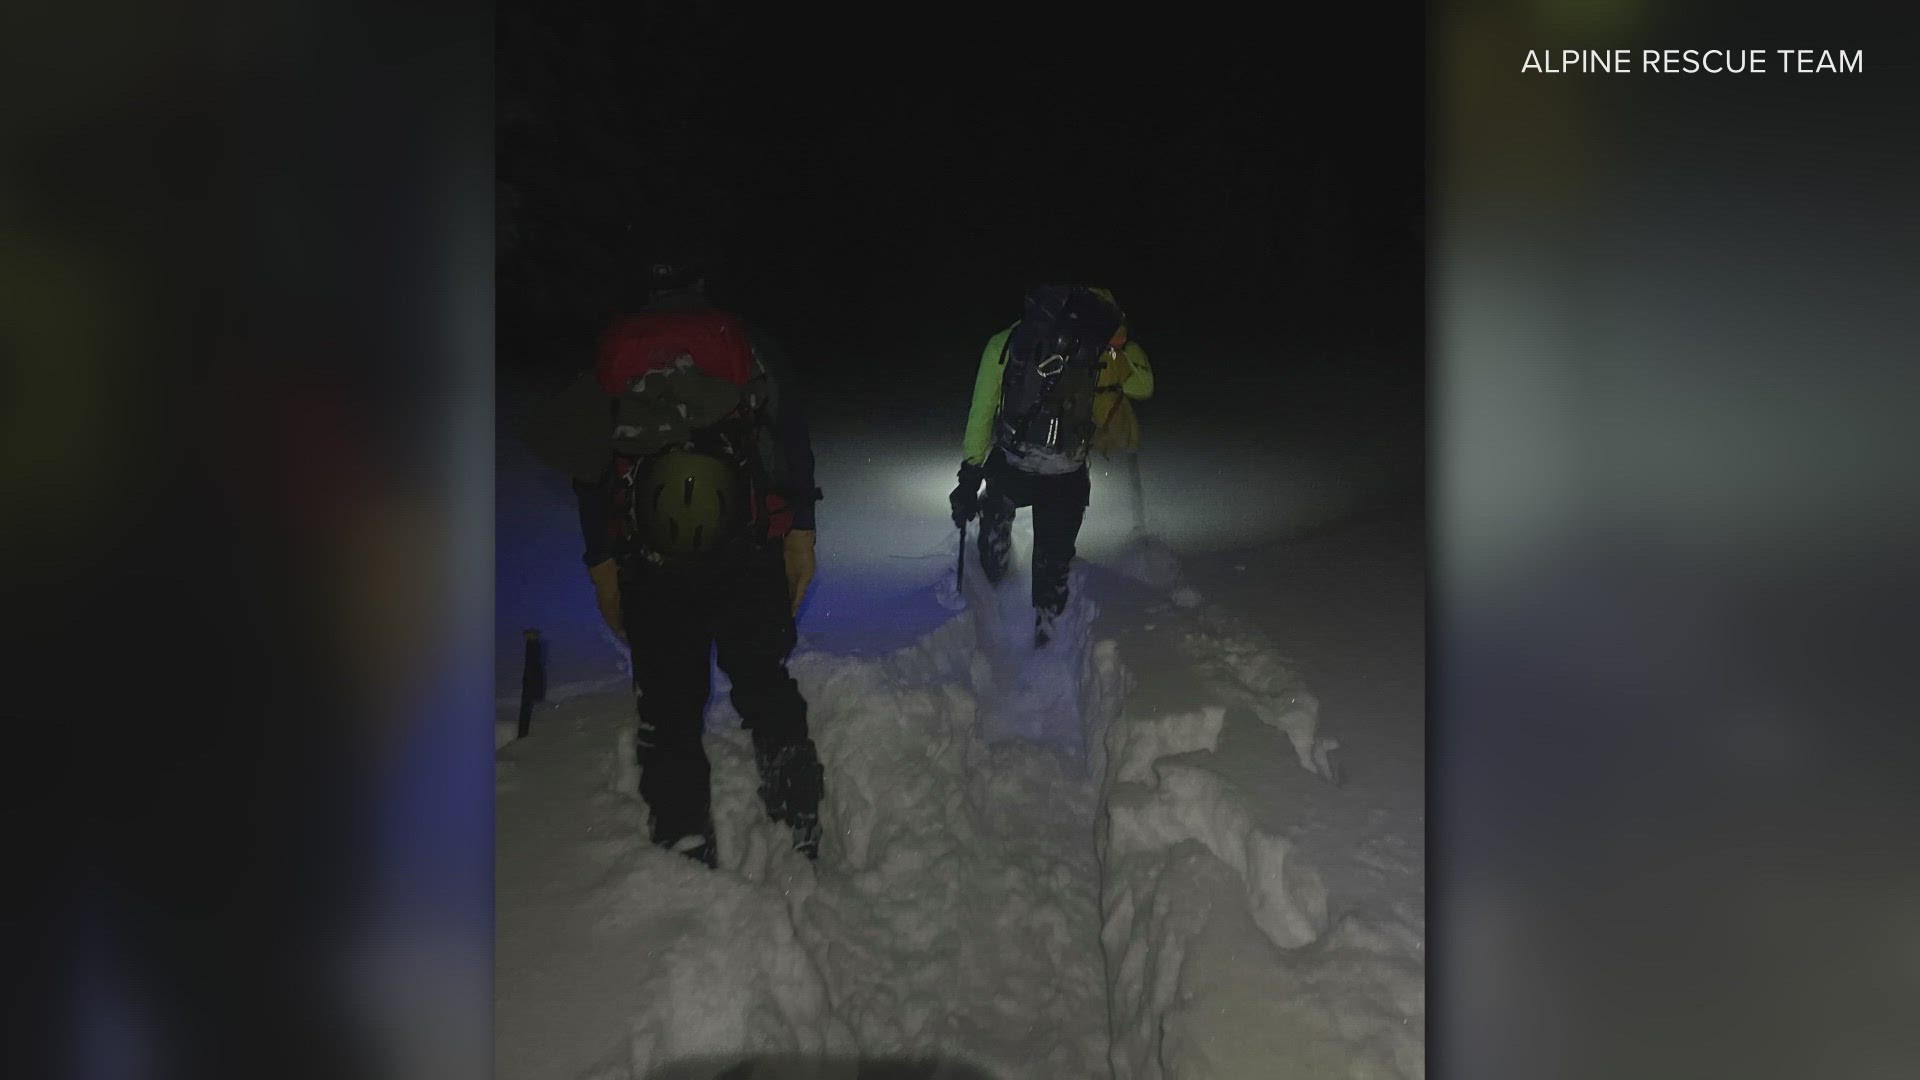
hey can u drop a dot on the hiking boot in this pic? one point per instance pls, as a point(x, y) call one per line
point(697, 846)
point(806, 833)
point(1043, 620)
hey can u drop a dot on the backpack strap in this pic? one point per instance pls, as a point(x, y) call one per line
point(746, 424)
point(1000, 408)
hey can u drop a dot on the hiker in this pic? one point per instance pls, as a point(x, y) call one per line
point(1037, 410)
point(1125, 377)
point(693, 469)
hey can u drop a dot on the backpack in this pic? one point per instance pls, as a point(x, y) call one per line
point(686, 383)
point(1050, 375)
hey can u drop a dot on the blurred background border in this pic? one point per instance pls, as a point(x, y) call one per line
point(248, 342)
point(1673, 458)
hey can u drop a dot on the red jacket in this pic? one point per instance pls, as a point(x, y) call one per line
point(650, 341)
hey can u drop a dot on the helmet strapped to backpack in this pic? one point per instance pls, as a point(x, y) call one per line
point(1052, 361)
point(687, 503)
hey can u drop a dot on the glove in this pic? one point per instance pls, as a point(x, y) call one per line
point(965, 499)
point(797, 549)
point(606, 590)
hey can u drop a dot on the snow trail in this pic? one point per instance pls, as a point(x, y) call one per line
point(1130, 854)
point(956, 904)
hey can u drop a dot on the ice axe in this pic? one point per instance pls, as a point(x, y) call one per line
point(533, 681)
point(1139, 492)
point(960, 565)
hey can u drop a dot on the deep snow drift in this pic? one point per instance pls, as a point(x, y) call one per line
point(1138, 853)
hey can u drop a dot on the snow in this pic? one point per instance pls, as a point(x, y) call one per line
point(1227, 962)
point(1134, 853)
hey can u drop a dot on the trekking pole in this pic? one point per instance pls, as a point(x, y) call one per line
point(1139, 492)
point(960, 566)
point(533, 681)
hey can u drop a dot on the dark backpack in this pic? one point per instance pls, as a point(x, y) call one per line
point(1051, 374)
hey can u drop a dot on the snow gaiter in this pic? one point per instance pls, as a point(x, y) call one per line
point(996, 535)
point(792, 780)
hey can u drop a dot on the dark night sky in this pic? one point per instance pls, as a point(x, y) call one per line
point(882, 193)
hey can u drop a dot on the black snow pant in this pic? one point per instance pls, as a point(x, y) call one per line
point(1059, 504)
point(675, 616)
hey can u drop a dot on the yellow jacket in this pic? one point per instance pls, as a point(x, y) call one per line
point(1126, 378)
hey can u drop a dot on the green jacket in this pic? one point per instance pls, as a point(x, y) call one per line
point(986, 389)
